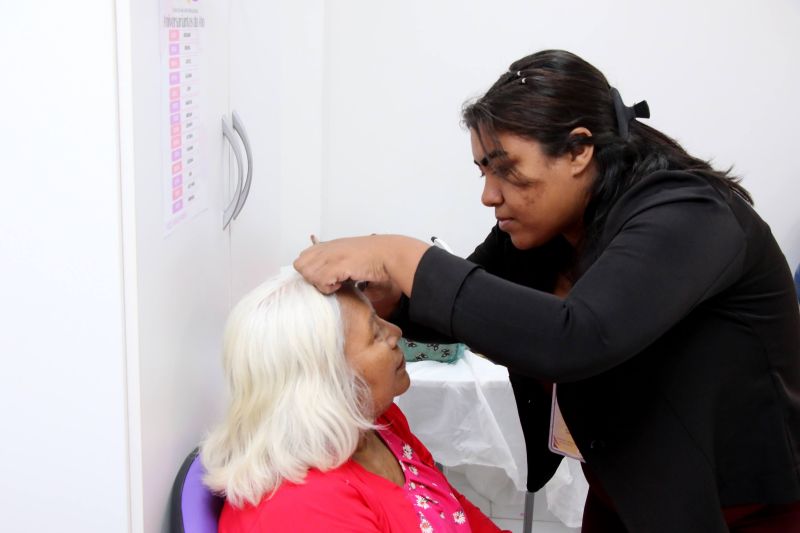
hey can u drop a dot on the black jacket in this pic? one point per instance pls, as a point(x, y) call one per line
point(677, 351)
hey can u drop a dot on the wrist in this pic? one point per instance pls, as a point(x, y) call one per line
point(403, 255)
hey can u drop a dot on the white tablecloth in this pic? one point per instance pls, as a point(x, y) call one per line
point(466, 415)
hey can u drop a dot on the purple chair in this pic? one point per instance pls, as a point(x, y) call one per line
point(193, 507)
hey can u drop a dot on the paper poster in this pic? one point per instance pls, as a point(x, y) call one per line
point(182, 33)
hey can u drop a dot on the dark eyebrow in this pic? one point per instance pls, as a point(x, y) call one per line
point(488, 157)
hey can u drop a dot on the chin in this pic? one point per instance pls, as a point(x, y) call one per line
point(404, 384)
point(524, 242)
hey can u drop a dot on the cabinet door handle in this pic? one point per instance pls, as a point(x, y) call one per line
point(227, 132)
point(238, 126)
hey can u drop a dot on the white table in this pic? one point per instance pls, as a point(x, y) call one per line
point(465, 414)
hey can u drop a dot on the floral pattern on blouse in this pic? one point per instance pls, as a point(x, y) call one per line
point(424, 525)
point(408, 453)
point(422, 501)
point(427, 490)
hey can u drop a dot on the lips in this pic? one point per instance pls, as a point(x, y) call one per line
point(503, 223)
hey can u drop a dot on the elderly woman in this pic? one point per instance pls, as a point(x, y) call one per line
point(312, 440)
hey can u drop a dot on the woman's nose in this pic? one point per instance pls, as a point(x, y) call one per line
point(392, 330)
point(491, 197)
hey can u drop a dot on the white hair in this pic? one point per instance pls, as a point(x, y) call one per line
point(295, 402)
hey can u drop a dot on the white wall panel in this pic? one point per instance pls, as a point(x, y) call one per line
point(63, 461)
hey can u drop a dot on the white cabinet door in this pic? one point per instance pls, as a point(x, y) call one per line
point(276, 89)
point(254, 82)
point(182, 278)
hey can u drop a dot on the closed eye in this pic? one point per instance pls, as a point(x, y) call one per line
point(502, 170)
point(486, 161)
point(377, 330)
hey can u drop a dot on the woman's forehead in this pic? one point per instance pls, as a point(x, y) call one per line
point(482, 146)
point(353, 303)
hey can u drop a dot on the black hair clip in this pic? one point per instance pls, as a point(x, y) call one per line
point(625, 114)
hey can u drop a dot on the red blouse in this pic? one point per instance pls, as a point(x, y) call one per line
point(347, 499)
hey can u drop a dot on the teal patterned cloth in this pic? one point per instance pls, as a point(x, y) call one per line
point(424, 351)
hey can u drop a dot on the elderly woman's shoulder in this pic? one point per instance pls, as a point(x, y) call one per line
point(319, 501)
point(341, 481)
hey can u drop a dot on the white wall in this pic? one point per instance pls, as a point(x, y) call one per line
point(720, 76)
point(301, 133)
point(63, 461)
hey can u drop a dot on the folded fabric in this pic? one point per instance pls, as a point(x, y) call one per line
point(425, 351)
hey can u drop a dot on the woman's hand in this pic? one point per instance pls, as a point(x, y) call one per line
point(382, 259)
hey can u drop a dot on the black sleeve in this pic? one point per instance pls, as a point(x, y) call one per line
point(486, 255)
point(677, 244)
point(537, 268)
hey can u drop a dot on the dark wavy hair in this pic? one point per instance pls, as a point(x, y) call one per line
point(561, 92)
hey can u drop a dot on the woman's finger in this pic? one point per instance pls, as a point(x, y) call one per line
point(313, 265)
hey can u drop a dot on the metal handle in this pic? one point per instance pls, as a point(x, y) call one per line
point(227, 216)
point(238, 127)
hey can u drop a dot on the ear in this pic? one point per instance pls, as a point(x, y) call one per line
point(581, 153)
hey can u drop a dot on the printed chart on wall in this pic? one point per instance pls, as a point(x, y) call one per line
point(182, 58)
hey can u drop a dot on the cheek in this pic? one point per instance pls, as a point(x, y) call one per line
point(527, 204)
point(378, 370)
point(364, 368)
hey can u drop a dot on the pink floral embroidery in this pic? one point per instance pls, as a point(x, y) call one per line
point(408, 453)
point(426, 490)
point(422, 502)
point(425, 526)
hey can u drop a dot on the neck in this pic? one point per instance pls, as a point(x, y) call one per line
point(366, 443)
point(375, 457)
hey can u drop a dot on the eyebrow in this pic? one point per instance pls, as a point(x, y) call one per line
point(488, 157)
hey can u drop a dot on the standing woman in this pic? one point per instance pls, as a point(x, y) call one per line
point(635, 277)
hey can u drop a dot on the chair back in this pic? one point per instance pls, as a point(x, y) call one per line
point(193, 507)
